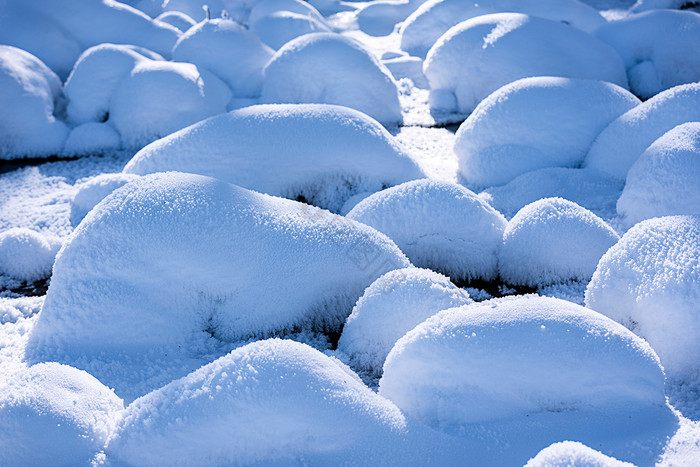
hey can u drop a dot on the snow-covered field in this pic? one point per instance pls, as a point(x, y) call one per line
point(323, 232)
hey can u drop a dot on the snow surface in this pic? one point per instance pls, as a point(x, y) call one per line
point(264, 8)
point(439, 225)
point(92, 138)
point(93, 190)
point(323, 154)
point(553, 240)
point(551, 122)
point(278, 28)
point(572, 453)
point(26, 254)
point(380, 17)
point(176, 18)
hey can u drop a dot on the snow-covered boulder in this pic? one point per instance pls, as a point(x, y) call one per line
point(278, 28)
point(322, 153)
point(53, 414)
point(433, 18)
point(228, 50)
point(27, 255)
point(379, 17)
point(167, 271)
point(535, 123)
point(659, 49)
point(478, 56)
point(328, 68)
point(91, 138)
point(572, 453)
point(553, 240)
point(274, 401)
point(94, 190)
point(28, 93)
point(665, 180)
point(650, 282)
point(439, 225)
point(620, 144)
point(393, 305)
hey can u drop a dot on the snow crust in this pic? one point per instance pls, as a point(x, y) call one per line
point(26, 254)
point(572, 453)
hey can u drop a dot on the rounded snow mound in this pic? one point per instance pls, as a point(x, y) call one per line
point(620, 144)
point(228, 50)
point(323, 154)
point(283, 400)
point(572, 453)
point(28, 92)
point(517, 357)
point(326, 68)
point(27, 255)
point(53, 414)
point(658, 47)
point(90, 139)
point(393, 305)
point(177, 19)
point(439, 225)
point(650, 282)
point(535, 123)
point(664, 180)
point(553, 240)
point(480, 55)
point(280, 27)
point(171, 268)
point(94, 190)
point(433, 18)
point(264, 8)
point(380, 17)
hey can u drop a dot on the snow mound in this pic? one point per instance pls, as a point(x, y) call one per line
point(28, 92)
point(228, 50)
point(90, 139)
point(53, 414)
point(535, 123)
point(620, 144)
point(94, 190)
point(273, 401)
point(171, 268)
point(572, 453)
point(278, 28)
point(659, 49)
point(327, 68)
point(323, 154)
point(433, 18)
point(393, 305)
point(177, 19)
point(264, 8)
point(664, 180)
point(480, 55)
point(553, 240)
point(379, 17)
point(650, 282)
point(26, 254)
point(439, 225)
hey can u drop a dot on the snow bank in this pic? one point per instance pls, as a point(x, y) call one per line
point(393, 305)
point(53, 414)
point(650, 282)
point(620, 144)
point(273, 401)
point(664, 180)
point(323, 154)
point(169, 269)
point(433, 18)
point(278, 28)
point(327, 68)
point(439, 225)
point(480, 55)
point(571, 453)
point(659, 49)
point(535, 123)
point(92, 191)
point(28, 92)
point(553, 240)
point(26, 254)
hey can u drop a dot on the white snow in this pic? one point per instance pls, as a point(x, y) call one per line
point(91, 138)
point(322, 153)
point(93, 190)
point(439, 225)
point(278, 28)
point(176, 18)
point(572, 453)
point(478, 56)
point(264, 8)
point(553, 240)
point(26, 254)
point(380, 17)
point(535, 123)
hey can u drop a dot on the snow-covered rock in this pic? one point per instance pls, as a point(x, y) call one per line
point(659, 49)
point(94, 190)
point(478, 56)
point(278, 28)
point(439, 225)
point(170, 269)
point(52, 414)
point(572, 453)
point(620, 144)
point(91, 138)
point(535, 123)
point(393, 305)
point(553, 240)
point(650, 282)
point(379, 17)
point(665, 180)
point(328, 68)
point(27, 255)
point(322, 153)
point(433, 18)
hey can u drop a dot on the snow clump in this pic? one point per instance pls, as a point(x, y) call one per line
point(92, 191)
point(27, 255)
point(572, 453)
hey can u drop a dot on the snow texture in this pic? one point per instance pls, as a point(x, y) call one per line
point(572, 453)
point(535, 123)
point(478, 56)
point(439, 225)
point(323, 154)
point(278, 28)
point(553, 240)
point(327, 68)
point(90, 192)
point(27, 255)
